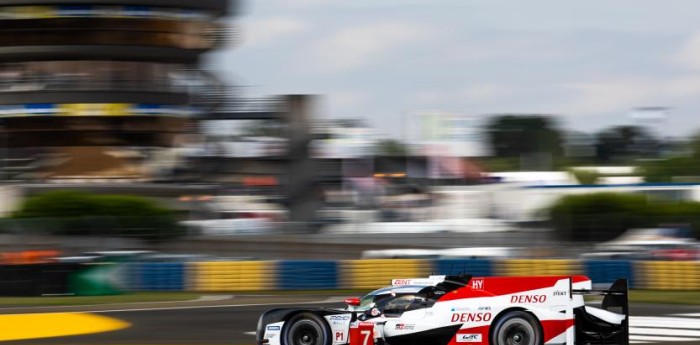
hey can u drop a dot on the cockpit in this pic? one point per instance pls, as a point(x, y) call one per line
point(394, 301)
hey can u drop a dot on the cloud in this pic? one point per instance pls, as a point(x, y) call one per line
point(430, 97)
point(689, 54)
point(264, 32)
point(347, 99)
point(297, 4)
point(485, 92)
point(625, 94)
point(603, 96)
point(357, 46)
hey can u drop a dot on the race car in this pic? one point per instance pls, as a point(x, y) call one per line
point(460, 309)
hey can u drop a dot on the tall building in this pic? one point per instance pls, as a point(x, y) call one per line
point(81, 77)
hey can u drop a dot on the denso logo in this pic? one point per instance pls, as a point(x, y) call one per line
point(400, 282)
point(471, 317)
point(528, 299)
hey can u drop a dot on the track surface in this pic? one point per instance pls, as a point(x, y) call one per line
point(229, 322)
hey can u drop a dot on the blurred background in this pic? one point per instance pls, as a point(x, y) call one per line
point(220, 132)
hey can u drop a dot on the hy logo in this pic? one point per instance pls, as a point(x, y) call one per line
point(478, 284)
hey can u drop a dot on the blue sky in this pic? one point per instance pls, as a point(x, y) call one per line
point(589, 63)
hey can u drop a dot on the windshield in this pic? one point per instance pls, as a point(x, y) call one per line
point(375, 299)
point(392, 300)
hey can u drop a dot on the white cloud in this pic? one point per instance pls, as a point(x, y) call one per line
point(430, 97)
point(616, 95)
point(266, 31)
point(485, 92)
point(358, 46)
point(347, 99)
point(608, 95)
point(296, 4)
point(689, 54)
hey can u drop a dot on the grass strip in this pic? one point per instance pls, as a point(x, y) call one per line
point(665, 297)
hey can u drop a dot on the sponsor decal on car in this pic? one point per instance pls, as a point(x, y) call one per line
point(560, 293)
point(471, 317)
point(454, 309)
point(273, 328)
point(478, 284)
point(405, 327)
point(468, 338)
point(339, 336)
point(340, 317)
point(528, 299)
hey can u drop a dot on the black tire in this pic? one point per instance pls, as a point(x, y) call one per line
point(516, 328)
point(306, 329)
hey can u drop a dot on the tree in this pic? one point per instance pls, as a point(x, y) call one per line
point(391, 147)
point(79, 213)
point(682, 163)
point(520, 136)
point(673, 169)
point(621, 144)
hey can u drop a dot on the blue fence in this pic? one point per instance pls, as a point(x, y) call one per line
point(607, 271)
point(475, 267)
point(307, 275)
point(157, 276)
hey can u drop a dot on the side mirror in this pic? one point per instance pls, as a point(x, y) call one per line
point(352, 301)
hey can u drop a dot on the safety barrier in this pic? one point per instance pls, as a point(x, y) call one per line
point(158, 276)
point(538, 267)
point(605, 272)
point(372, 274)
point(475, 267)
point(232, 276)
point(304, 275)
point(675, 275)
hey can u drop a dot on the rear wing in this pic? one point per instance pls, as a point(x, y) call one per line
point(615, 300)
point(616, 296)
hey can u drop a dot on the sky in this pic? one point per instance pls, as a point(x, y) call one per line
point(589, 63)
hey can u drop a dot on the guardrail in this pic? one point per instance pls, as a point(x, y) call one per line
point(232, 276)
point(371, 274)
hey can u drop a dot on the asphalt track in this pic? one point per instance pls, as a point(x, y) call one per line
point(230, 321)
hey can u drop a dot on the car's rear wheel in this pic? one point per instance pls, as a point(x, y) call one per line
point(306, 329)
point(516, 328)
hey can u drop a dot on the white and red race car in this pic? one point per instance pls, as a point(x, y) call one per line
point(451, 310)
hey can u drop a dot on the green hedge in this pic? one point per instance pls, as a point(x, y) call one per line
point(77, 213)
point(604, 216)
point(585, 176)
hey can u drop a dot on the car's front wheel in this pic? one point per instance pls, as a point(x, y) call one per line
point(306, 329)
point(516, 328)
